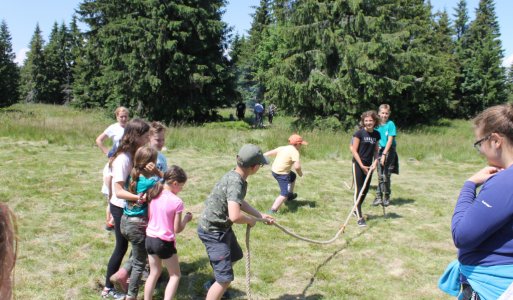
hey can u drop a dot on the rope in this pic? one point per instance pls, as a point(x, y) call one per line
point(287, 231)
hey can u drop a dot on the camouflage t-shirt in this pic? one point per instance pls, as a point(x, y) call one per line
point(214, 217)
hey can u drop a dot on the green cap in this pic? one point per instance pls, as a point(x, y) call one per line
point(250, 155)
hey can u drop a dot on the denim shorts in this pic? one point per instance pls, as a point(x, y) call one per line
point(283, 182)
point(223, 250)
point(162, 249)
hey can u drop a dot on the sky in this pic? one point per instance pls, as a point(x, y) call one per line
point(22, 16)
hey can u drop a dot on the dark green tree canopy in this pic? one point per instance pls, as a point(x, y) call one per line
point(9, 72)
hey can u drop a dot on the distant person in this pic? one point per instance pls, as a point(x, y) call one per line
point(224, 206)
point(482, 223)
point(240, 110)
point(259, 115)
point(365, 150)
point(287, 157)
point(165, 222)
point(271, 112)
point(114, 132)
point(8, 249)
point(136, 135)
point(388, 160)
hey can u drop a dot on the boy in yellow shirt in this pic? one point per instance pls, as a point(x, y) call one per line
point(286, 158)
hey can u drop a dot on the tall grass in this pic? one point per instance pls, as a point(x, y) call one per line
point(52, 175)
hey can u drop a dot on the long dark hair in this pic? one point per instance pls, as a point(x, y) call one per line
point(128, 144)
point(175, 173)
point(8, 250)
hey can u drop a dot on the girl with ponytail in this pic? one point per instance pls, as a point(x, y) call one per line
point(165, 221)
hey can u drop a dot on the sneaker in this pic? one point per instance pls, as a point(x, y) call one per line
point(109, 227)
point(120, 280)
point(209, 283)
point(361, 223)
point(291, 196)
point(386, 202)
point(272, 212)
point(112, 293)
point(377, 201)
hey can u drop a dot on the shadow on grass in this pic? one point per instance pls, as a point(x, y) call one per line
point(319, 267)
point(295, 204)
point(295, 297)
point(387, 215)
point(401, 201)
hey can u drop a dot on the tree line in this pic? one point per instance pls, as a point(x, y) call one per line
point(322, 61)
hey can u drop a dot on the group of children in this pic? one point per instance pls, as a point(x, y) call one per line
point(147, 212)
point(374, 145)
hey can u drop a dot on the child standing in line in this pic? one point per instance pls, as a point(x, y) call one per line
point(135, 215)
point(115, 132)
point(136, 135)
point(286, 158)
point(224, 206)
point(365, 150)
point(165, 221)
point(158, 140)
point(388, 162)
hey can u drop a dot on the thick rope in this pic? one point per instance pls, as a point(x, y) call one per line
point(285, 230)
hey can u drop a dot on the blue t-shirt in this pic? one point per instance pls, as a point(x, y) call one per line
point(132, 208)
point(386, 130)
point(161, 165)
point(482, 226)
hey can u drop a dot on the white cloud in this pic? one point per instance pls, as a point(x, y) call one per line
point(21, 55)
point(507, 61)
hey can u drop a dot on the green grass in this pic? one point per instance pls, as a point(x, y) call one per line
point(51, 174)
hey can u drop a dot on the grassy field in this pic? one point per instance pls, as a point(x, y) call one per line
point(51, 173)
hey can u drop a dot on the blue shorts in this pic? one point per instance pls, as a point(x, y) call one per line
point(223, 250)
point(283, 182)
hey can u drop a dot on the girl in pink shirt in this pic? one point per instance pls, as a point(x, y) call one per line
point(165, 221)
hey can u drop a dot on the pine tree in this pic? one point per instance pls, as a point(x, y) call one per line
point(462, 19)
point(58, 56)
point(339, 58)
point(9, 78)
point(483, 77)
point(34, 84)
point(163, 60)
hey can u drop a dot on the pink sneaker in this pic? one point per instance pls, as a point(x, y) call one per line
point(120, 280)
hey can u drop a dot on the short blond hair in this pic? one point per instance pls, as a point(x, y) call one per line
point(384, 106)
point(157, 127)
point(121, 109)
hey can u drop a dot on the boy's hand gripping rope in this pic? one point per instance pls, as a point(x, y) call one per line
point(285, 230)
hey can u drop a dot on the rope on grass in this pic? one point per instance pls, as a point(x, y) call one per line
point(287, 231)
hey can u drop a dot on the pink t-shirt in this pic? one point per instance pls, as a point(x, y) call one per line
point(162, 211)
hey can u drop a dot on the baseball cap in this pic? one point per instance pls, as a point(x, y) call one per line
point(297, 139)
point(250, 155)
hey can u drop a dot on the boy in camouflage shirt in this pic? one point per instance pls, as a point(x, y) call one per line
point(224, 206)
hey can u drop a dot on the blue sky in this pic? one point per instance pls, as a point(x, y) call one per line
point(23, 15)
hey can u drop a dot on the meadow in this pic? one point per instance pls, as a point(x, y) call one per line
point(51, 178)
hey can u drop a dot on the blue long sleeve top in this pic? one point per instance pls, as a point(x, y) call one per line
point(482, 226)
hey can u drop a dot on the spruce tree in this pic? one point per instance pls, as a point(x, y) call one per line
point(339, 58)
point(483, 77)
point(34, 83)
point(163, 60)
point(58, 55)
point(9, 78)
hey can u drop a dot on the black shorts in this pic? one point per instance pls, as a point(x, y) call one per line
point(160, 248)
